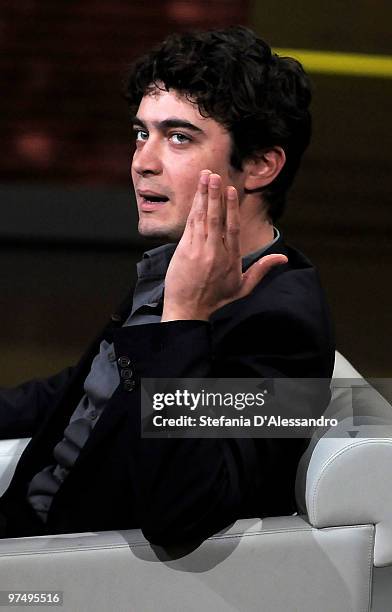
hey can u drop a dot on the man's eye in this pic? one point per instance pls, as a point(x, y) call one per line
point(140, 135)
point(180, 139)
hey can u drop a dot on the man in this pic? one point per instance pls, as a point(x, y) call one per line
point(220, 126)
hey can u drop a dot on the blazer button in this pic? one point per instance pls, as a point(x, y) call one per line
point(128, 385)
point(126, 373)
point(123, 362)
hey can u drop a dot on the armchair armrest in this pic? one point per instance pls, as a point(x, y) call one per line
point(349, 481)
point(345, 476)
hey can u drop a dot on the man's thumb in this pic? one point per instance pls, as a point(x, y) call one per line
point(259, 270)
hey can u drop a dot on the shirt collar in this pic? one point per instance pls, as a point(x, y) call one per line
point(155, 262)
point(250, 258)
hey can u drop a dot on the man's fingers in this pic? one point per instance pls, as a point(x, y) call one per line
point(200, 210)
point(196, 221)
point(232, 229)
point(215, 215)
point(259, 270)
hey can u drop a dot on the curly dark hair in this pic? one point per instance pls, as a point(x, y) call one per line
point(233, 77)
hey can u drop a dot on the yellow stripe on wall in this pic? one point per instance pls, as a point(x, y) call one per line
point(330, 62)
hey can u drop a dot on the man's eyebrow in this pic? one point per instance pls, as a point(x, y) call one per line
point(173, 122)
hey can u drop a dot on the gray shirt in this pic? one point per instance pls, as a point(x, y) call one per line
point(103, 378)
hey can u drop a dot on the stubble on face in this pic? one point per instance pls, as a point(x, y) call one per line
point(160, 234)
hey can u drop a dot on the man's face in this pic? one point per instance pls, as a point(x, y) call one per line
point(173, 144)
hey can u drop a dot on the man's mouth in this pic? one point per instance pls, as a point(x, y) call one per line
point(149, 197)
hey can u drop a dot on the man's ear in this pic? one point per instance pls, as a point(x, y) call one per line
point(261, 170)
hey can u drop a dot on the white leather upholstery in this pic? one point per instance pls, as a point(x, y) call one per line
point(322, 562)
point(343, 368)
point(349, 482)
point(10, 452)
point(274, 565)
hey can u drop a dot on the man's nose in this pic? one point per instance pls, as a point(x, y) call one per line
point(147, 159)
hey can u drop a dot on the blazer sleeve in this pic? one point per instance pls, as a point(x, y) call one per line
point(23, 409)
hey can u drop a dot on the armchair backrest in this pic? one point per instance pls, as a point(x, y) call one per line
point(10, 452)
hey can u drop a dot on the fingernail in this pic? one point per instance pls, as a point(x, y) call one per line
point(204, 178)
point(214, 180)
point(231, 193)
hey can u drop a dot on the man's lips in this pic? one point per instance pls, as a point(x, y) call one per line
point(145, 205)
point(148, 194)
point(151, 200)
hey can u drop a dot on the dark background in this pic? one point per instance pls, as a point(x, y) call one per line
point(68, 222)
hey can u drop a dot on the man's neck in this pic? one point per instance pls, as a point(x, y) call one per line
point(257, 230)
point(258, 236)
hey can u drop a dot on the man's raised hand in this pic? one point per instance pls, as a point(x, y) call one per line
point(205, 272)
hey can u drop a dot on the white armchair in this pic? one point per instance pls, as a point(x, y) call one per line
point(335, 557)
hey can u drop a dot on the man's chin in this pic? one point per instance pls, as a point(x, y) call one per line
point(159, 234)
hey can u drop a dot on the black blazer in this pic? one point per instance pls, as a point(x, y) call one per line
point(176, 489)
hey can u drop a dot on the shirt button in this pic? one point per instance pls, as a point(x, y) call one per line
point(124, 362)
